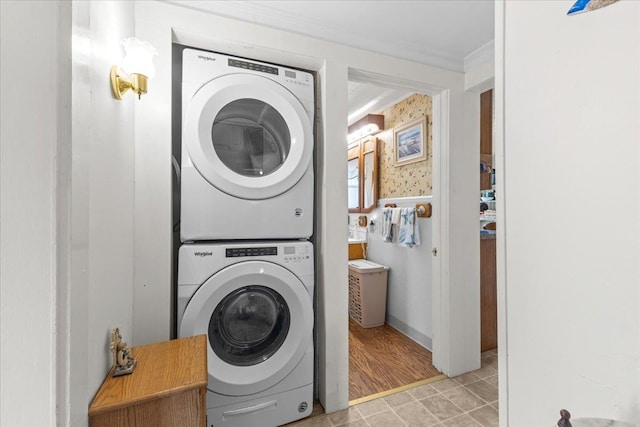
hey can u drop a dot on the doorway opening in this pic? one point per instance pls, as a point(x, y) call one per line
point(396, 353)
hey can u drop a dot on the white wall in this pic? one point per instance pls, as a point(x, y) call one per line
point(153, 222)
point(30, 134)
point(96, 294)
point(160, 23)
point(67, 184)
point(102, 200)
point(409, 280)
point(571, 114)
point(331, 250)
point(456, 320)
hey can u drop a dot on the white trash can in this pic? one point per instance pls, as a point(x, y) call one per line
point(367, 292)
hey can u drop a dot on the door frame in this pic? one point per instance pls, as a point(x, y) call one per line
point(440, 209)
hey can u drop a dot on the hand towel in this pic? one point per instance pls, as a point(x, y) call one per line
point(395, 216)
point(409, 234)
point(387, 227)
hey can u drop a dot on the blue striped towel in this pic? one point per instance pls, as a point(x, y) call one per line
point(409, 234)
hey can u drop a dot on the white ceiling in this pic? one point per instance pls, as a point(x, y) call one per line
point(441, 33)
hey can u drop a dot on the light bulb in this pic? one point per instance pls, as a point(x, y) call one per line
point(138, 57)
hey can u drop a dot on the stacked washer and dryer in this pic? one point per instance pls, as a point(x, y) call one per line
point(245, 268)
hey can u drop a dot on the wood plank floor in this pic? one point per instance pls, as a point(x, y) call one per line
point(382, 358)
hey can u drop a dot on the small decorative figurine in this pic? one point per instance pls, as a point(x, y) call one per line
point(565, 416)
point(123, 363)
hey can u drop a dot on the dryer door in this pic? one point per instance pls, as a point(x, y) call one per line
point(258, 318)
point(248, 136)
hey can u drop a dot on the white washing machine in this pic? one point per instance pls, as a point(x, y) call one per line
point(247, 149)
point(254, 301)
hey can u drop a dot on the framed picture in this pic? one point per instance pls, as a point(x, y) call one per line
point(409, 142)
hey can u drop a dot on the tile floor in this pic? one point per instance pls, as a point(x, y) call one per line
point(470, 400)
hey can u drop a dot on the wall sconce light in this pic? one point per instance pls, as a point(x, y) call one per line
point(368, 125)
point(135, 70)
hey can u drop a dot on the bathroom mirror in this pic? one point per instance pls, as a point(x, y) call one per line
point(368, 180)
point(362, 180)
point(353, 180)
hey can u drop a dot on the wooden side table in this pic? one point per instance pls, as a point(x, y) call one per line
point(168, 388)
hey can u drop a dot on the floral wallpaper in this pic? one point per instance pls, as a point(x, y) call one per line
point(413, 179)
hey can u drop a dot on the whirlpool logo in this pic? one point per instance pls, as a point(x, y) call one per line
point(203, 254)
point(206, 58)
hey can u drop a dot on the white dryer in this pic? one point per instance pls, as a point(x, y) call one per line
point(254, 301)
point(247, 149)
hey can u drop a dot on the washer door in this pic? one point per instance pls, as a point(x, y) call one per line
point(258, 318)
point(248, 136)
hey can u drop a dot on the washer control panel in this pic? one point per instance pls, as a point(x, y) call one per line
point(260, 251)
point(295, 254)
point(288, 254)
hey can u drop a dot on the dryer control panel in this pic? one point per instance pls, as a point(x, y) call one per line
point(253, 66)
point(289, 76)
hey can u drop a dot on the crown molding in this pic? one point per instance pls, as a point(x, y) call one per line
point(479, 56)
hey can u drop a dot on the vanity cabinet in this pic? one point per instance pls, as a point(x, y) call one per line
point(357, 250)
point(362, 178)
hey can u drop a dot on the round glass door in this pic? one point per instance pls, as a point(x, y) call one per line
point(249, 325)
point(248, 136)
